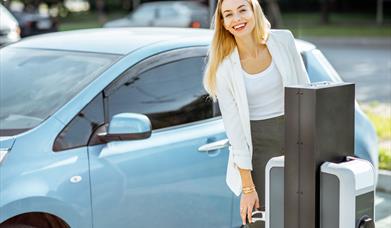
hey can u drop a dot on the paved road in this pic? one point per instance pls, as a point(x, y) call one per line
point(383, 210)
point(366, 62)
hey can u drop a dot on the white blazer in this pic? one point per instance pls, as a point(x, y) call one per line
point(232, 98)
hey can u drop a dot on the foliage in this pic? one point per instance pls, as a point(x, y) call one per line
point(385, 158)
point(380, 116)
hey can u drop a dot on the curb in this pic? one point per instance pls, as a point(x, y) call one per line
point(384, 181)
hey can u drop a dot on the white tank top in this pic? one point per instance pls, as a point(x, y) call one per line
point(265, 93)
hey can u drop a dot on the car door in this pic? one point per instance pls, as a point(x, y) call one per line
point(164, 180)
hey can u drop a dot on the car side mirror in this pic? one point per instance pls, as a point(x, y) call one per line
point(127, 126)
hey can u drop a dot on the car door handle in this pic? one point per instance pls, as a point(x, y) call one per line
point(214, 145)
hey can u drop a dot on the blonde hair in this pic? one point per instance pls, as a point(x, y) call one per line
point(223, 42)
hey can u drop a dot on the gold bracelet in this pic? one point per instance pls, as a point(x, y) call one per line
point(248, 189)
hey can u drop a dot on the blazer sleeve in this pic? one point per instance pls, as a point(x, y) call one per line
point(231, 119)
point(301, 72)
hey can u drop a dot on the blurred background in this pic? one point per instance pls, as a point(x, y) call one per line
point(347, 18)
point(355, 35)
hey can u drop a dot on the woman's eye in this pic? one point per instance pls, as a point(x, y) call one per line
point(242, 11)
point(228, 15)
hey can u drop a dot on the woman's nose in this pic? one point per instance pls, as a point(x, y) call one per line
point(236, 17)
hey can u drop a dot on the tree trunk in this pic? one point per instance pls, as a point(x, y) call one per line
point(126, 5)
point(325, 11)
point(135, 4)
point(379, 12)
point(274, 14)
point(100, 9)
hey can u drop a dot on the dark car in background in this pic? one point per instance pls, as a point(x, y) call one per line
point(165, 14)
point(9, 27)
point(34, 23)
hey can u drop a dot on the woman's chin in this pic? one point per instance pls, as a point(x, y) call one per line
point(241, 34)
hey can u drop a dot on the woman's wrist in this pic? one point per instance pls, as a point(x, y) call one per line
point(248, 190)
point(247, 180)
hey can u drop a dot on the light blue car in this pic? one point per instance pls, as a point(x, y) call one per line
point(112, 128)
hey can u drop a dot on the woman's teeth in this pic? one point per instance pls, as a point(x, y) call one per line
point(240, 26)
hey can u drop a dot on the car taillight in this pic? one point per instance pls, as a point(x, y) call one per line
point(17, 30)
point(29, 24)
point(195, 24)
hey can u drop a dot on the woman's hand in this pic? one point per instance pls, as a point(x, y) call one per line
point(248, 202)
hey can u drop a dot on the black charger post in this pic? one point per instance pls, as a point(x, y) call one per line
point(319, 128)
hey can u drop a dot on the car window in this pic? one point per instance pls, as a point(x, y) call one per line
point(145, 12)
point(170, 94)
point(166, 12)
point(78, 131)
point(35, 83)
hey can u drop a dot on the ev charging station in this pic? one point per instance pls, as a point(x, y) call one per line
point(318, 183)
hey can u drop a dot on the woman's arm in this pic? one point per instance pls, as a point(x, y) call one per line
point(247, 180)
point(232, 124)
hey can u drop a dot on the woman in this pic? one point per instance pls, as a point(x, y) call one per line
point(249, 65)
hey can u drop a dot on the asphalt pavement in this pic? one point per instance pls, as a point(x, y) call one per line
point(367, 63)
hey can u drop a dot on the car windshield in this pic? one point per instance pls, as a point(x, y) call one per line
point(34, 83)
point(319, 69)
point(5, 18)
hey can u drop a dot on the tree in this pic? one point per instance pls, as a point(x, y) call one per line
point(325, 11)
point(100, 9)
point(274, 14)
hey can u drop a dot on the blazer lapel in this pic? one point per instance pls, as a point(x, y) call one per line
point(278, 56)
point(240, 92)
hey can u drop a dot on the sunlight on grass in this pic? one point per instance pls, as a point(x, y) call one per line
point(385, 158)
point(380, 116)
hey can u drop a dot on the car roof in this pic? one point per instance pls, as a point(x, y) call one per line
point(111, 40)
point(121, 40)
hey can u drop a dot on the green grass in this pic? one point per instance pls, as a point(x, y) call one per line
point(346, 25)
point(86, 20)
point(80, 25)
point(385, 158)
point(340, 31)
point(380, 117)
point(382, 124)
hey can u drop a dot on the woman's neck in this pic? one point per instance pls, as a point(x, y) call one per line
point(248, 47)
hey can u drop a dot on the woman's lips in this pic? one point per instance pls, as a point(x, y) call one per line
point(239, 27)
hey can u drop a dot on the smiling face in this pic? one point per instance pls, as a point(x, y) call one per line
point(238, 17)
